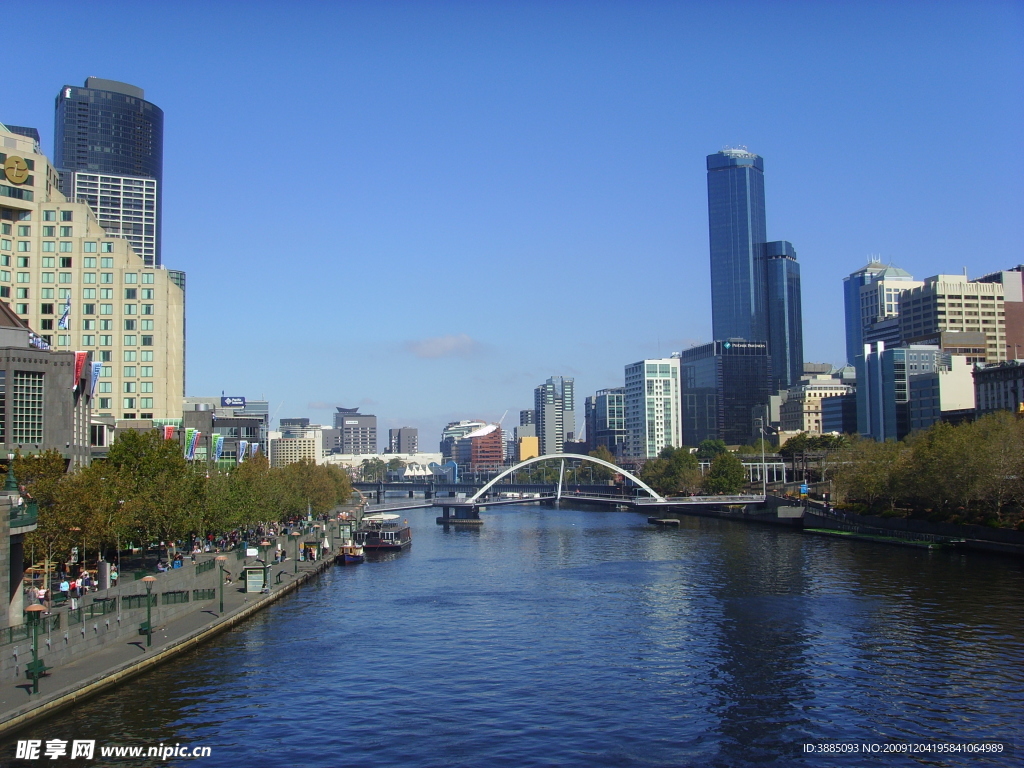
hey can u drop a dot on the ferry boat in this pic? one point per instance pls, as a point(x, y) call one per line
point(350, 553)
point(381, 531)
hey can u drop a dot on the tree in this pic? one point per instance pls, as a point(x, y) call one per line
point(372, 470)
point(708, 449)
point(602, 474)
point(726, 475)
point(675, 472)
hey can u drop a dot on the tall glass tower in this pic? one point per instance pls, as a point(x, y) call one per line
point(755, 285)
point(109, 150)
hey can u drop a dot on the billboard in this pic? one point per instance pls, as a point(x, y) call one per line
point(232, 402)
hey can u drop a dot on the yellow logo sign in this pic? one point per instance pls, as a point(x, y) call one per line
point(16, 170)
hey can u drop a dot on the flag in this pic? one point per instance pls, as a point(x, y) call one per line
point(242, 445)
point(80, 358)
point(168, 432)
point(65, 319)
point(218, 447)
point(97, 369)
point(189, 434)
point(253, 448)
point(195, 442)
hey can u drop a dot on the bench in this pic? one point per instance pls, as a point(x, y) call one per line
point(59, 599)
point(36, 669)
point(144, 628)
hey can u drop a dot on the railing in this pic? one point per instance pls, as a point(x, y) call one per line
point(24, 515)
point(101, 606)
point(138, 601)
point(204, 567)
point(175, 596)
point(843, 524)
point(203, 594)
point(24, 631)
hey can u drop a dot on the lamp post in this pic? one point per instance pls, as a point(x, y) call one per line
point(265, 547)
point(34, 617)
point(764, 478)
point(295, 537)
point(221, 559)
point(148, 581)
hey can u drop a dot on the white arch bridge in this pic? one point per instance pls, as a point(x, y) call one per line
point(467, 509)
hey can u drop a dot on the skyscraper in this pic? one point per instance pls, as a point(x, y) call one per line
point(871, 296)
point(109, 149)
point(554, 405)
point(755, 285)
point(652, 401)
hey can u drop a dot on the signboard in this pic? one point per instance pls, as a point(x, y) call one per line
point(351, 422)
point(232, 402)
point(74, 554)
point(252, 552)
point(804, 489)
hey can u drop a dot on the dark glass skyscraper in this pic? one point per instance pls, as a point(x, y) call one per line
point(755, 285)
point(109, 149)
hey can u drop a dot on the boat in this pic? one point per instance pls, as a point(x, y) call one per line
point(350, 553)
point(381, 531)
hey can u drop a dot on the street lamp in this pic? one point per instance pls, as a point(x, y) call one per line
point(221, 559)
point(34, 617)
point(295, 537)
point(265, 546)
point(148, 581)
point(764, 478)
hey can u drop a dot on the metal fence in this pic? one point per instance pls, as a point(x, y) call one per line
point(206, 566)
point(176, 596)
point(203, 594)
point(137, 601)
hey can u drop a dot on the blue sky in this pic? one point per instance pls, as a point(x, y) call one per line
point(428, 208)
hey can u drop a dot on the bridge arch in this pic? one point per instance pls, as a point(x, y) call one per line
point(548, 457)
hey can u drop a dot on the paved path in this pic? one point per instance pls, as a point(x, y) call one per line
point(126, 657)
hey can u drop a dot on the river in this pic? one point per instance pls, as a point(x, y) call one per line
point(571, 637)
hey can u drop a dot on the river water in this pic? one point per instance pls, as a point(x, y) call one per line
point(570, 637)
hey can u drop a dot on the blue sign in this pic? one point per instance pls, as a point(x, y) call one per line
point(804, 489)
point(232, 402)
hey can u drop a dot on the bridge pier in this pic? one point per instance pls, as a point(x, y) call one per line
point(462, 514)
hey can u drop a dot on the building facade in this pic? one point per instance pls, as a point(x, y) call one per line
point(554, 406)
point(108, 147)
point(610, 421)
point(999, 387)
point(803, 409)
point(945, 394)
point(358, 431)
point(785, 314)
point(404, 440)
point(883, 387)
point(651, 407)
point(955, 304)
point(482, 449)
point(81, 288)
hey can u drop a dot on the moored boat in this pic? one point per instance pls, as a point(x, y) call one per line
point(350, 554)
point(381, 531)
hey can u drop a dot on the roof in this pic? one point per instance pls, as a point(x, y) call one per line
point(8, 319)
point(485, 430)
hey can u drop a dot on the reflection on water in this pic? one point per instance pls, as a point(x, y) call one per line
point(567, 637)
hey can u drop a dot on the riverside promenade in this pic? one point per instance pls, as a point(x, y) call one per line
point(125, 655)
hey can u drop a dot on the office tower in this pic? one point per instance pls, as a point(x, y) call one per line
point(883, 387)
point(109, 148)
point(725, 388)
point(651, 403)
point(404, 440)
point(755, 285)
point(481, 449)
point(609, 420)
point(871, 304)
point(455, 431)
point(358, 430)
point(527, 417)
point(554, 406)
point(852, 284)
point(1012, 281)
point(954, 304)
point(82, 289)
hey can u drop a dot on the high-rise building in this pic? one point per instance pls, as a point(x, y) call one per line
point(609, 421)
point(955, 304)
point(454, 432)
point(652, 402)
point(871, 298)
point(883, 387)
point(554, 405)
point(755, 285)
point(358, 430)
point(80, 288)
point(404, 440)
point(1012, 281)
point(725, 387)
point(481, 449)
point(109, 149)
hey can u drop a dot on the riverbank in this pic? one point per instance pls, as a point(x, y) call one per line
point(126, 656)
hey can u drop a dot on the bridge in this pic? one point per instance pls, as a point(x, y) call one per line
point(465, 509)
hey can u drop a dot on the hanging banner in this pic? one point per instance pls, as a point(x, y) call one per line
point(97, 369)
point(195, 442)
point(189, 434)
point(65, 318)
point(79, 367)
point(168, 432)
point(253, 448)
point(218, 446)
point(242, 445)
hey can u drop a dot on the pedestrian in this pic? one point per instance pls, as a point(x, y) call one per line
point(113, 575)
point(74, 595)
point(40, 595)
point(47, 601)
point(64, 587)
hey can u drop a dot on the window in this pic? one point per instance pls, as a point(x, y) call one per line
point(105, 358)
point(129, 309)
point(147, 293)
point(147, 325)
point(129, 402)
point(129, 387)
point(147, 357)
point(23, 261)
point(66, 232)
point(88, 340)
point(24, 246)
point(104, 402)
point(27, 410)
point(49, 247)
point(129, 355)
point(89, 248)
point(106, 277)
point(65, 277)
point(129, 371)
point(5, 275)
point(89, 278)
point(146, 386)
point(129, 293)
point(5, 245)
point(106, 309)
point(130, 340)
point(106, 341)
point(66, 216)
point(64, 339)
point(106, 325)
point(24, 231)
point(22, 309)
point(22, 293)
point(106, 262)
point(49, 215)
point(5, 292)
point(131, 277)
point(147, 277)
point(129, 325)
point(88, 325)
point(47, 277)
point(46, 309)
point(47, 293)
point(65, 262)
point(106, 293)
point(49, 231)
point(24, 277)
point(46, 325)
point(63, 293)
point(146, 370)
point(48, 261)
point(65, 247)
point(107, 247)
point(88, 309)
point(88, 293)
point(146, 402)
point(147, 309)
point(147, 341)
point(90, 263)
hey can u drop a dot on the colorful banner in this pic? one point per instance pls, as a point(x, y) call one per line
point(242, 445)
point(190, 433)
point(65, 319)
point(97, 369)
point(218, 446)
point(80, 358)
point(168, 432)
point(195, 443)
point(253, 448)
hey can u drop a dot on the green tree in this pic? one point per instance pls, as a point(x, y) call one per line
point(708, 449)
point(726, 474)
point(676, 472)
point(372, 470)
point(602, 474)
